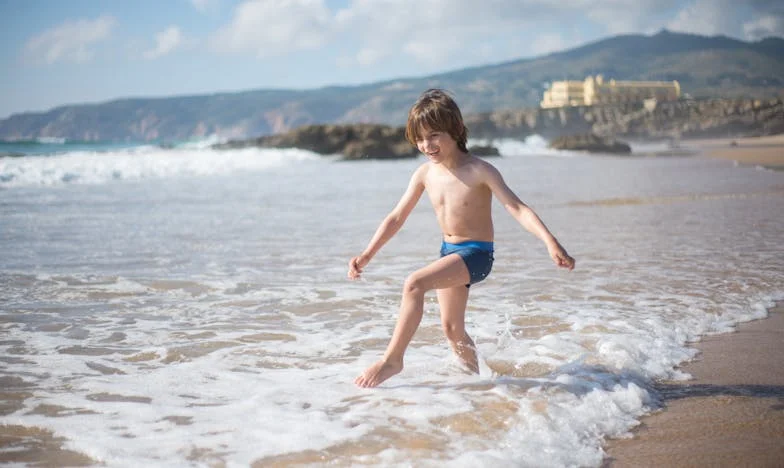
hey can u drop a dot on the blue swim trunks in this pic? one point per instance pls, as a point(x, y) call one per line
point(477, 255)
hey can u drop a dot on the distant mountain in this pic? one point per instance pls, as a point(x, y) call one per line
point(705, 67)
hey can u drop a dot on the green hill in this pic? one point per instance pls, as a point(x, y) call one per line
point(705, 67)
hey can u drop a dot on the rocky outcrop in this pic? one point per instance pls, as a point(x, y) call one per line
point(360, 141)
point(590, 143)
point(664, 120)
point(484, 150)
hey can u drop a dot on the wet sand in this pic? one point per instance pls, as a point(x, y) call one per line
point(730, 415)
point(765, 151)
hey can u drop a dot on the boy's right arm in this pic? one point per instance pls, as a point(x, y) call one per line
point(391, 223)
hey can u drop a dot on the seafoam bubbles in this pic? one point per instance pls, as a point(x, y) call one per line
point(533, 145)
point(83, 167)
point(568, 425)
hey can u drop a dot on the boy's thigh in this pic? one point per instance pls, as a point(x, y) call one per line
point(446, 272)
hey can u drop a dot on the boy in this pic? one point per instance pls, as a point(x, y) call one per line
point(460, 187)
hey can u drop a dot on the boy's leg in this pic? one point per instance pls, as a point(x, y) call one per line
point(445, 272)
point(452, 302)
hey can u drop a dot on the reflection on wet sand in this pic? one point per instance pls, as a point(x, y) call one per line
point(623, 201)
point(22, 444)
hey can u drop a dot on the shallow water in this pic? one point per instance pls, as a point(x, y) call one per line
point(189, 307)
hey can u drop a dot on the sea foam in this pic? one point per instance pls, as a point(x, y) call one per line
point(141, 163)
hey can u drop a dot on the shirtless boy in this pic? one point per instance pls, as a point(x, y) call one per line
point(460, 187)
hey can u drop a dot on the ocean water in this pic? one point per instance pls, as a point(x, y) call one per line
point(189, 307)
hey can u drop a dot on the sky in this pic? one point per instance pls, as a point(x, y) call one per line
point(56, 52)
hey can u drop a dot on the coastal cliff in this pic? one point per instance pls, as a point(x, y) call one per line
point(634, 121)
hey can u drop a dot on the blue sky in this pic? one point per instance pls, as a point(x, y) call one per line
point(64, 52)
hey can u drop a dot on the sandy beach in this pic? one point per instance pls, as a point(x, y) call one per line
point(765, 151)
point(730, 415)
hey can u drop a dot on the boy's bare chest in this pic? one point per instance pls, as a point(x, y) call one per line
point(455, 190)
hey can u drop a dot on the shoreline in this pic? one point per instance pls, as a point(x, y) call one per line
point(766, 151)
point(730, 414)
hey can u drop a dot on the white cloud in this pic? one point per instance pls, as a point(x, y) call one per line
point(166, 42)
point(71, 41)
point(546, 43)
point(706, 17)
point(269, 27)
point(764, 26)
point(205, 5)
point(432, 51)
point(369, 56)
point(433, 33)
point(621, 16)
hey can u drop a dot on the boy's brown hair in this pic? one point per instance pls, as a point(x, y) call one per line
point(436, 110)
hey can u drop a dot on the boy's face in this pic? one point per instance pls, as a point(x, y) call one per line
point(437, 145)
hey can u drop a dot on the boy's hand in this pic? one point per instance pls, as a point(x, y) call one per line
point(560, 257)
point(355, 266)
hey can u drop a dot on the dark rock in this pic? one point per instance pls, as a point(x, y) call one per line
point(484, 150)
point(591, 143)
point(360, 141)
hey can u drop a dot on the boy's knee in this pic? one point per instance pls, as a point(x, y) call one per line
point(413, 285)
point(454, 331)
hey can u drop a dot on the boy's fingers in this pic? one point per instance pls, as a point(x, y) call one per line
point(353, 269)
point(564, 260)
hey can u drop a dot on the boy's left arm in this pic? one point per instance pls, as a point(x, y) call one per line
point(526, 217)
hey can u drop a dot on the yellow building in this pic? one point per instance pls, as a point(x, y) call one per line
point(565, 93)
point(594, 90)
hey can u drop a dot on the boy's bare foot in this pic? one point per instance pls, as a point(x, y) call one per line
point(471, 366)
point(377, 373)
point(466, 352)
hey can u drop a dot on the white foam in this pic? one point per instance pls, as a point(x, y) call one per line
point(533, 145)
point(141, 163)
point(50, 140)
point(203, 143)
point(650, 146)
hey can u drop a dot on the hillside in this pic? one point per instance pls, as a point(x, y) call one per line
point(705, 67)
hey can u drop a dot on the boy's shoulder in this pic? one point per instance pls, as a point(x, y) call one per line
point(481, 165)
point(420, 172)
point(477, 161)
point(422, 169)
